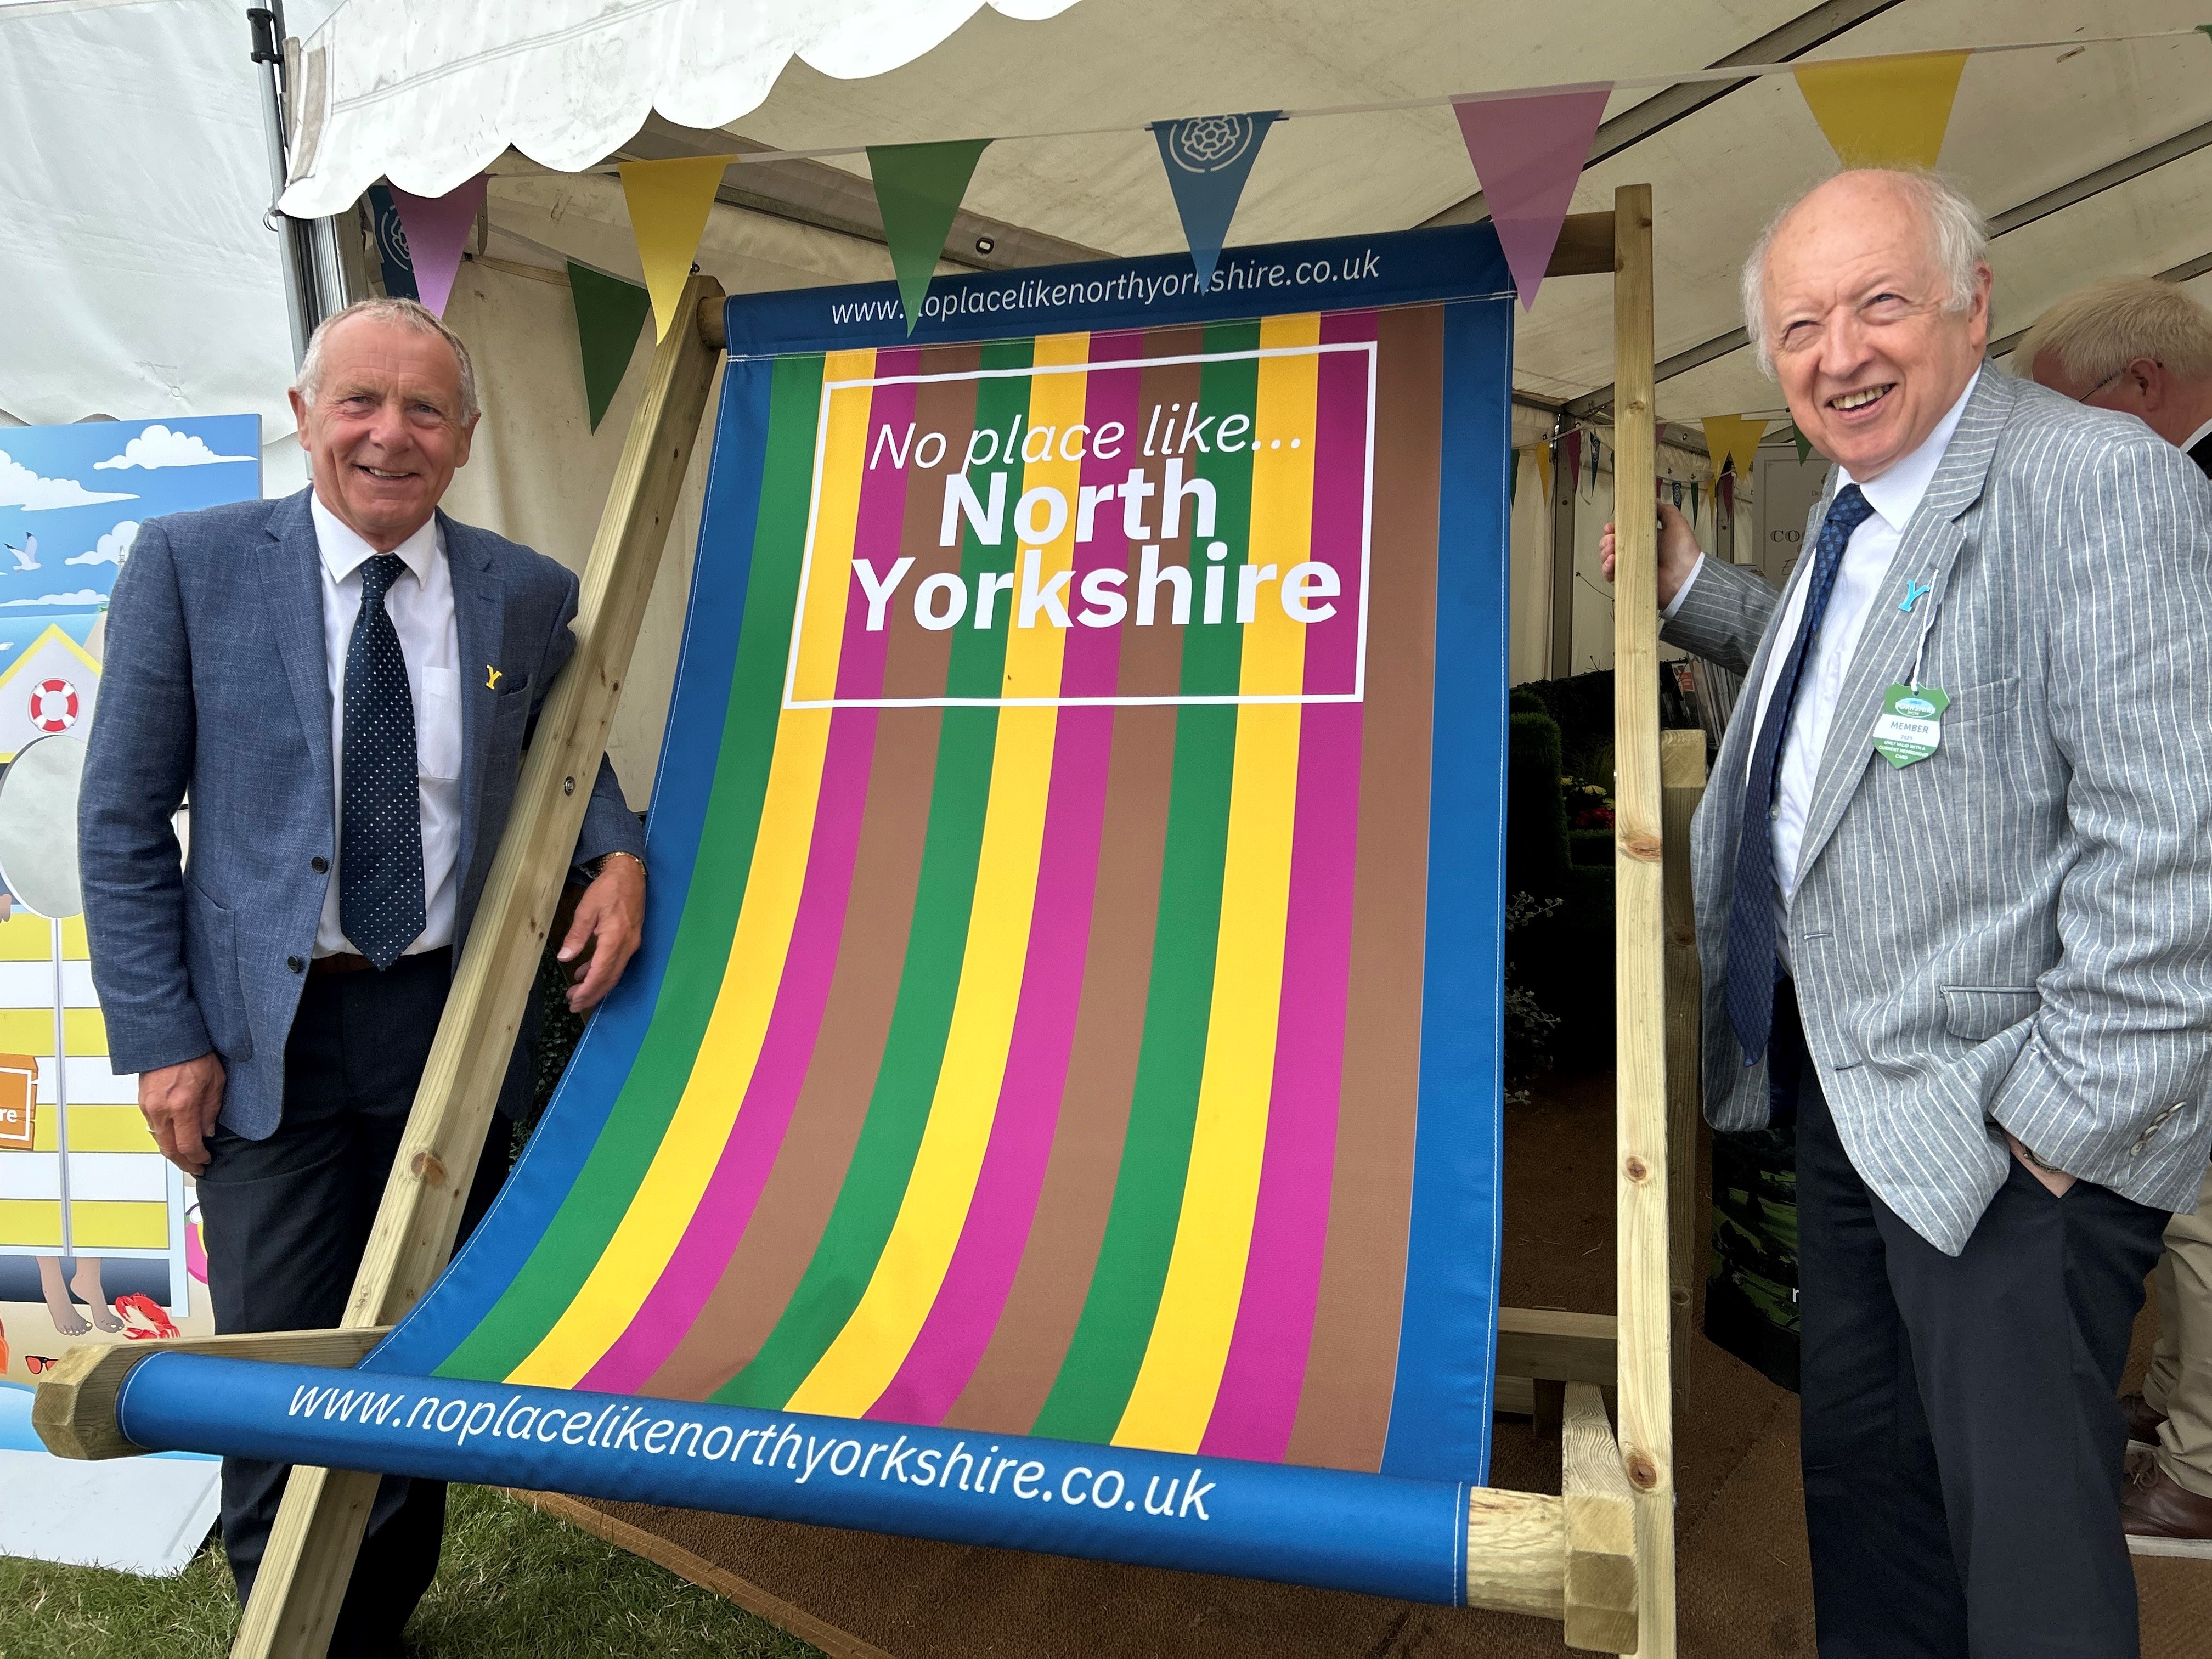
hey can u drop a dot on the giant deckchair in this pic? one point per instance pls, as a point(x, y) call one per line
point(1058, 1102)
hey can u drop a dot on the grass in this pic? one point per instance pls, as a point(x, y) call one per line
point(511, 1582)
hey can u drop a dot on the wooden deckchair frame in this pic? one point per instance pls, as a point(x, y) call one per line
point(1600, 1557)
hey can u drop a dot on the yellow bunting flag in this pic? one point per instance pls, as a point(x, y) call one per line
point(668, 203)
point(1544, 468)
point(1733, 437)
point(1884, 111)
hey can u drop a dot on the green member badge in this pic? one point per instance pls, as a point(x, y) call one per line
point(1912, 724)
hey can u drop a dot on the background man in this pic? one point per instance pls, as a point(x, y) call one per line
point(2132, 343)
point(2138, 344)
point(1975, 965)
point(343, 682)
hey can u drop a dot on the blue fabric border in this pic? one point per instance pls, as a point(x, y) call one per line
point(1440, 1406)
point(1367, 1533)
point(1398, 268)
point(580, 1107)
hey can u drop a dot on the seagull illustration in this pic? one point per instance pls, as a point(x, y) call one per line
point(26, 555)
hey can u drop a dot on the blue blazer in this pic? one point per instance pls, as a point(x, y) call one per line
point(214, 686)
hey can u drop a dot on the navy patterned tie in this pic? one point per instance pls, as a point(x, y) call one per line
point(381, 903)
point(1751, 959)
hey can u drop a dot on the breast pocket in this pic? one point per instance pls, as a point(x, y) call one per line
point(438, 723)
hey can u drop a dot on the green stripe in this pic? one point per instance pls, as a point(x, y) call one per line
point(581, 1230)
point(1092, 1389)
point(914, 1051)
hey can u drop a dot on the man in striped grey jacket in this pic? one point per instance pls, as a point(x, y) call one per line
point(1954, 905)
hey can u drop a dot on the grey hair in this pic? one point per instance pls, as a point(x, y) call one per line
point(1958, 236)
point(407, 313)
point(2096, 331)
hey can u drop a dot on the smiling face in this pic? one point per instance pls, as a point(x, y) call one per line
point(1869, 357)
point(385, 429)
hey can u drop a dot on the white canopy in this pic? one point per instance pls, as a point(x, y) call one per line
point(430, 96)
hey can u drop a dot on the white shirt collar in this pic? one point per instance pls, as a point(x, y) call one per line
point(2196, 437)
point(344, 551)
point(1896, 494)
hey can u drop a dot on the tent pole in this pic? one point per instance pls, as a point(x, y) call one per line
point(302, 302)
point(1641, 1184)
point(309, 1561)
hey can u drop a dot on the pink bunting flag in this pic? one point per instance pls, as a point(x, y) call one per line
point(437, 229)
point(1528, 153)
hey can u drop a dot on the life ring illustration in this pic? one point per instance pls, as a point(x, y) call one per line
point(53, 705)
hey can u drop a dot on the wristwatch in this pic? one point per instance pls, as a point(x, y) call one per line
point(592, 871)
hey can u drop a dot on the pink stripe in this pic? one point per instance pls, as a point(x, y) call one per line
point(788, 1043)
point(967, 1305)
point(1258, 1402)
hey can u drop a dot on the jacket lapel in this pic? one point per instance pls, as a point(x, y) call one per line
point(479, 616)
point(295, 590)
point(1932, 545)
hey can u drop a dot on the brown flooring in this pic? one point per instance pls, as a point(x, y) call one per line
point(1744, 1587)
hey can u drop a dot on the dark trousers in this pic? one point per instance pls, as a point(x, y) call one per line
point(1962, 1438)
point(286, 1220)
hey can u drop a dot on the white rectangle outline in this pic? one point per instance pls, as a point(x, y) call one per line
point(1357, 693)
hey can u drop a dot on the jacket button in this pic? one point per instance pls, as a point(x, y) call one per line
point(295, 965)
point(320, 866)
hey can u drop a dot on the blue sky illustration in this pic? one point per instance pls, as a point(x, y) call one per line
point(72, 499)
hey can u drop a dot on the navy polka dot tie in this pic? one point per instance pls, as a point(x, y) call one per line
point(380, 903)
point(1751, 966)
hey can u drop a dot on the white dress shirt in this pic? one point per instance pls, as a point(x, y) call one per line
point(1894, 496)
point(420, 606)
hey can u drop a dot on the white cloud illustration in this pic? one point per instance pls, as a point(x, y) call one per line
point(157, 446)
point(20, 487)
point(83, 596)
point(114, 547)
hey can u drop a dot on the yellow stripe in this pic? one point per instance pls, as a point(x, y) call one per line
point(836, 523)
point(866, 1354)
point(117, 1225)
point(98, 1223)
point(31, 1223)
point(655, 1221)
point(31, 1031)
point(1176, 1385)
point(95, 1129)
point(27, 938)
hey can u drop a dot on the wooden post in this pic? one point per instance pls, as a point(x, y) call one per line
point(1682, 783)
point(309, 1560)
point(1641, 1184)
point(1599, 1509)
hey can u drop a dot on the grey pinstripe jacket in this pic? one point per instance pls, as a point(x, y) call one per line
point(2018, 930)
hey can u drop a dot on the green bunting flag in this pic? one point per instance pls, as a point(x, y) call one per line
point(1804, 444)
point(918, 191)
point(1513, 480)
point(609, 314)
point(1693, 500)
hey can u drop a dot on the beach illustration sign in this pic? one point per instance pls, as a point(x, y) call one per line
point(97, 1237)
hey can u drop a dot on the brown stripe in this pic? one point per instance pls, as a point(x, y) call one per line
point(1344, 1410)
point(1023, 1356)
point(802, 1188)
point(917, 658)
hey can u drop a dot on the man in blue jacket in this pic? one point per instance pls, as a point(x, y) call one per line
point(342, 682)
